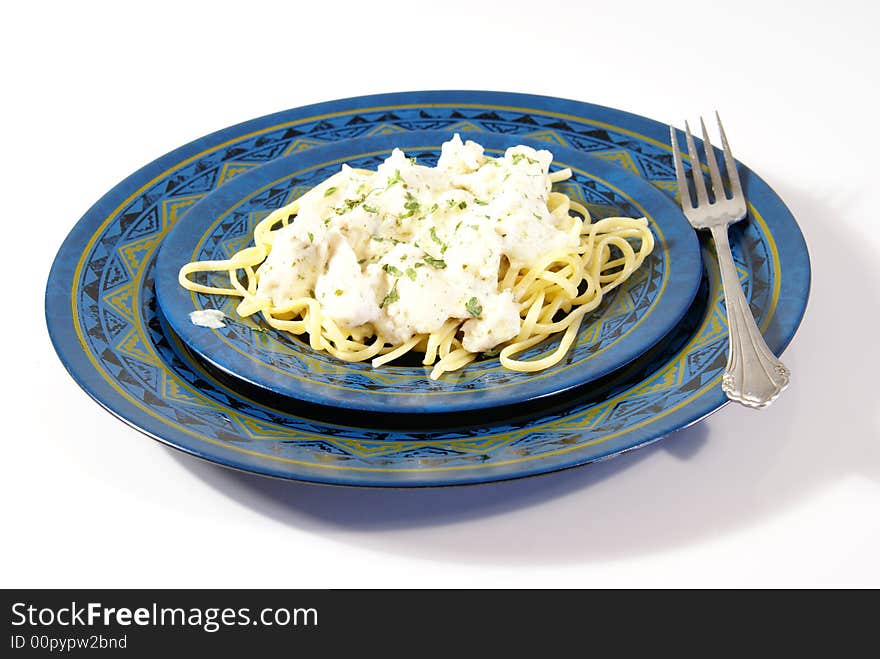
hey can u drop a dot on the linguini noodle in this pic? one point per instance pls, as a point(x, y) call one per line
point(555, 292)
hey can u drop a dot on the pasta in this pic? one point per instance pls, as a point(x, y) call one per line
point(372, 268)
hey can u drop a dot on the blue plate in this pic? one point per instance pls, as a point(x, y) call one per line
point(102, 316)
point(631, 320)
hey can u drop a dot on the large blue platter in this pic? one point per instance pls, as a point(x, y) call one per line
point(102, 317)
point(631, 320)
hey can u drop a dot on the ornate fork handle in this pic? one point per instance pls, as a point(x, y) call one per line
point(754, 376)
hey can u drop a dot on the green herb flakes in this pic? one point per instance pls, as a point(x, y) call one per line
point(473, 307)
point(393, 296)
point(393, 179)
point(439, 264)
point(411, 205)
point(434, 237)
point(516, 157)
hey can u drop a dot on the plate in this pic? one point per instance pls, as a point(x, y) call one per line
point(101, 312)
point(631, 319)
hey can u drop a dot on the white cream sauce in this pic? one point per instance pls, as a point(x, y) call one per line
point(212, 318)
point(407, 247)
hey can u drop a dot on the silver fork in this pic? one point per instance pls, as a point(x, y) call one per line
point(754, 376)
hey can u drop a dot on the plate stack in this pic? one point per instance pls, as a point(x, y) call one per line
point(646, 362)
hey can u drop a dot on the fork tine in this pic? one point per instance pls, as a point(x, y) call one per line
point(683, 190)
point(717, 185)
point(729, 163)
point(696, 171)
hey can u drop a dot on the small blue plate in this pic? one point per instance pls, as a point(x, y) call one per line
point(631, 319)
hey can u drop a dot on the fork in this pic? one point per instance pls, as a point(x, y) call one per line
point(754, 376)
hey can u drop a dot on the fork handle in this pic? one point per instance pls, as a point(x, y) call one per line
point(754, 376)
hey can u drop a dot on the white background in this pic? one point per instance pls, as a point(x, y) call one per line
point(785, 497)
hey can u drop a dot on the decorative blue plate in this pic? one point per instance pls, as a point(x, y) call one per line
point(101, 312)
point(631, 320)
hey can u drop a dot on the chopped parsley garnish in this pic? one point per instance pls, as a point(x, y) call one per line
point(473, 307)
point(348, 204)
point(440, 264)
point(311, 237)
point(393, 296)
point(412, 161)
point(481, 202)
point(393, 179)
point(391, 270)
point(411, 205)
point(371, 209)
point(458, 225)
point(380, 239)
point(329, 191)
point(494, 352)
point(411, 273)
point(433, 209)
point(538, 217)
point(516, 157)
point(436, 239)
point(338, 292)
point(462, 205)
